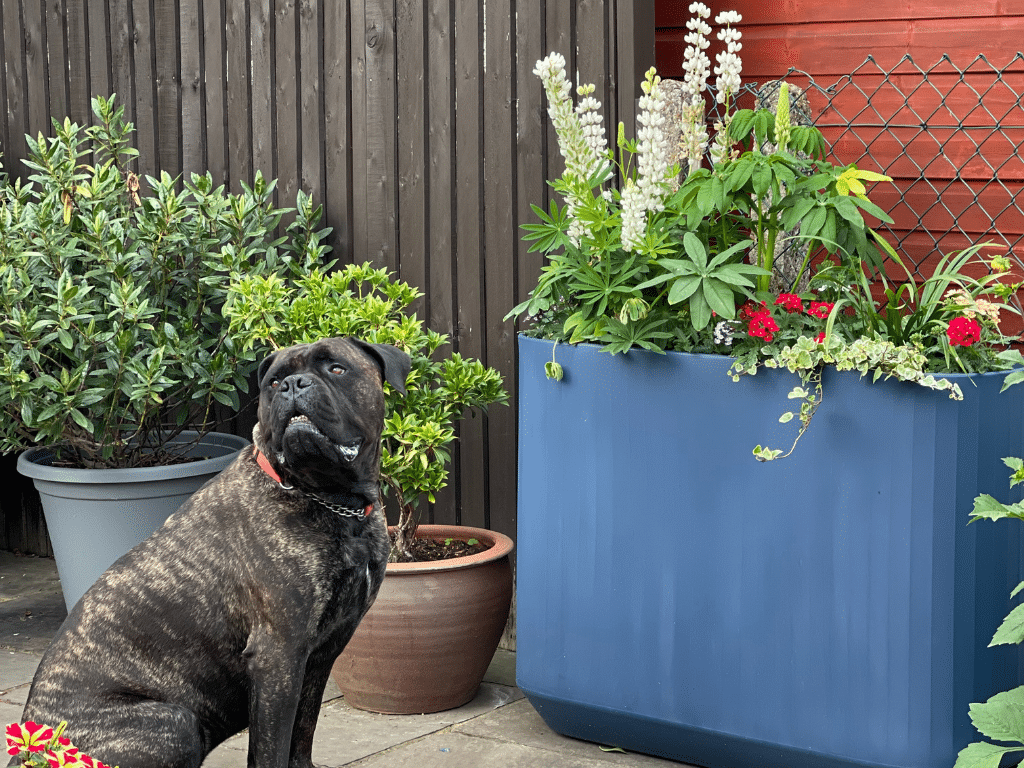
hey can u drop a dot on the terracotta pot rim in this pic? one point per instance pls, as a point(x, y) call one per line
point(501, 546)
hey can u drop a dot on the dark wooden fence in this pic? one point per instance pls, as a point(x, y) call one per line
point(418, 124)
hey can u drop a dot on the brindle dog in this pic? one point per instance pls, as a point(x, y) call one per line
point(231, 615)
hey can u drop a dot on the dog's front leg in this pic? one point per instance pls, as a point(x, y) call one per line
point(275, 685)
point(318, 670)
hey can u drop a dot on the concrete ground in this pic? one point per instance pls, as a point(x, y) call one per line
point(498, 728)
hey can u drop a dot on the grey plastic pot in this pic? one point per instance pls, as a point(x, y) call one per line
point(96, 515)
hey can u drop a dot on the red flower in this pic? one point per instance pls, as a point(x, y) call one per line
point(763, 326)
point(963, 332)
point(27, 737)
point(750, 310)
point(820, 309)
point(820, 338)
point(790, 302)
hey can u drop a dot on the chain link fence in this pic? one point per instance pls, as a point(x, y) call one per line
point(949, 137)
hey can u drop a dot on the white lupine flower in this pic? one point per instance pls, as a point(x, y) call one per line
point(728, 71)
point(728, 17)
point(697, 68)
point(634, 216)
point(651, 186)
point(580, 132)
point(593, 128)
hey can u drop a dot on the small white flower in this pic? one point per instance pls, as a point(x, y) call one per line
point(723, 333)
point(700, 9)
point(728, 17)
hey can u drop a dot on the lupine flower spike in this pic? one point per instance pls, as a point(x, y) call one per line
point(728, 83)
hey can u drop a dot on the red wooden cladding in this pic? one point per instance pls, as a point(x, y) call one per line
point(831, 38)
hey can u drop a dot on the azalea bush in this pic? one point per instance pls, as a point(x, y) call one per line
point(267, 313)
point(678, 245)
point(41, 746)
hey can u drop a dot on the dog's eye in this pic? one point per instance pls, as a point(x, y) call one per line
point(336, 369)
point(274, 383)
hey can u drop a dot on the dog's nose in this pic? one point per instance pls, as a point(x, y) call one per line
point(296, 382)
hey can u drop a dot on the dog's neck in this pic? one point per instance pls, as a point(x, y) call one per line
point(268, 469)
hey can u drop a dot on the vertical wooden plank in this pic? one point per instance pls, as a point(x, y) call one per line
point(145, 90)
point(634, 40)
point(166, 50)
point(410, 154)
point(413, 175)
point(559, 37)
point(36, 67)
point(5, 125)
point(193, 122)
point(470, 332)
point(290, 81)
point(532, 130)
point(261, 31)
point(238, 106)
point(360, 128)
point(438, 249)
point(377, 51)
point(122, 66)
point(593, 30)
point(100, 35)
point(56, 55)
point(15, 35)
point(78, 63)
point(500, 236)
point(311, 69)
point(337, 127)
point(214, 87)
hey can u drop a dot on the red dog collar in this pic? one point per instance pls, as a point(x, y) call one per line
point(265, 465)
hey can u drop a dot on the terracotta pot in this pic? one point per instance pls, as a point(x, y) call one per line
point(425, 644)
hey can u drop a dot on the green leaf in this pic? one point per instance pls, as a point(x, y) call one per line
point(981, 754)
point(1010, 632)
point(683, 288)
point(1001, 717)
point(695, 249)
point(987, 507)
point(700, 311)
point(720, 297)
point(762, 179)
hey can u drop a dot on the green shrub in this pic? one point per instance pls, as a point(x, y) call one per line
point(111, 295)
point(269, 313)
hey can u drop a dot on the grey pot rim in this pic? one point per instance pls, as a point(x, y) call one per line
point(34, 463)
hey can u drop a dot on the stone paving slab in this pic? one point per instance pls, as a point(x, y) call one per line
point(345, 734)
point(520, 724)
point(31, 602)
point(16, 671)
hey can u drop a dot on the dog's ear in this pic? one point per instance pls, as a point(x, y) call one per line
point(394, 363)
point(264, 367)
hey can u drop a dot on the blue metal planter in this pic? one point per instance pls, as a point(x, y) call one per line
point(679, 598)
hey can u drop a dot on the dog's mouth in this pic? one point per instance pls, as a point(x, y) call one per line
point(348, 450)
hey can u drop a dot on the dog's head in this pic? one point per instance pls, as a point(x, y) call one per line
point(321, 413)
